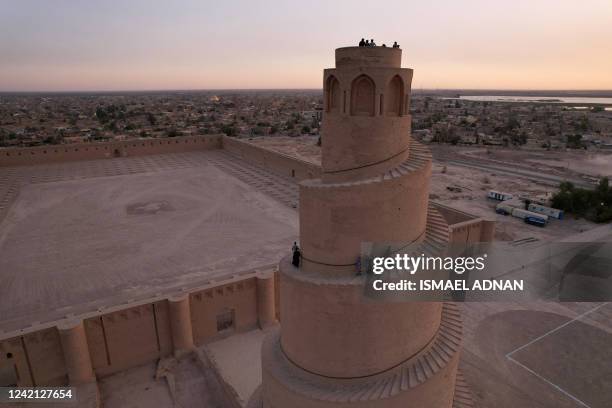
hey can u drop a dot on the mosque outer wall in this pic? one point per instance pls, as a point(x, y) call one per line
point(132, 335)
point(104, 150)
point(274, 161)
point(271, 160)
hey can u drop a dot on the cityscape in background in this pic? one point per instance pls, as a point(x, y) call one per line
point(450, 117)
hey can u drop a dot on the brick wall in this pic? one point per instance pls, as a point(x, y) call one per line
point(105, 150)
point(239, 297)
point(128, 337)
point(274, 161)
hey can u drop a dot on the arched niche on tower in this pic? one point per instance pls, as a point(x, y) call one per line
point(362, 96)
point(394, 97)
point(333, 94)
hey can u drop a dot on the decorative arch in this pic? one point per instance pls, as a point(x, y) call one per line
point(333, 94)
point(394, 97)
point(362, 96)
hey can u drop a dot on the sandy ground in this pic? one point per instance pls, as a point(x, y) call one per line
point(193, 387)
point(577, 162)
point(472, 198)
point(597, 165)
point(135, 388)
point(103, 240)
point(549, 355)
point(239, 361)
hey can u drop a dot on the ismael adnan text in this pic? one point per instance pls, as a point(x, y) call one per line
point(484, 285)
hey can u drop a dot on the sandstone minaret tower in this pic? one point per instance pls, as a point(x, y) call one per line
point(335, 347)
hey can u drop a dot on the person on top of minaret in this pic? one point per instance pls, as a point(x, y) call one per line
point(367, 43)
point(362, 43)
point(372, 43)
point(395, 44)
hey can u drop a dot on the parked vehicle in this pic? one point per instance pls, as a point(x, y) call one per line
point(506, 207)
point(539, 222)
point(497, 195)
point(542, 209)
point(524, 214)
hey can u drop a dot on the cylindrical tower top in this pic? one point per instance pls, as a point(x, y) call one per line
point(366, 121)
point(386, 57)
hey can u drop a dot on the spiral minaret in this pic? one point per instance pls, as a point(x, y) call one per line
point(334, 347)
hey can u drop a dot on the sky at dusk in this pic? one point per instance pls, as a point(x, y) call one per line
point(65, 45)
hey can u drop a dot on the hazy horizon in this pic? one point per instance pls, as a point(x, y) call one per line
point(502, 92)
point(71, 46)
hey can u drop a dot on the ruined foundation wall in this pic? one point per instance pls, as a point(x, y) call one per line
point(105, 150)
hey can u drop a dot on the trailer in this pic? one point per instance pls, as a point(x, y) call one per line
point(524, 214)
point(500, 196)
point(504, 209)
point(549, 211)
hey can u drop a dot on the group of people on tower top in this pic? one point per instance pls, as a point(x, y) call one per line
point(371, 43)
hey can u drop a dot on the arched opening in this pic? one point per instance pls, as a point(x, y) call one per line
point(332, 91)
point(394, 97)
point(362, 96)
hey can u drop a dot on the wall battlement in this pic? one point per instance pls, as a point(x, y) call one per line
point(26, 156)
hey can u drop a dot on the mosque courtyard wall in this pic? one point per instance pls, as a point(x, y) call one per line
point(27, 156)
point(134, 334)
